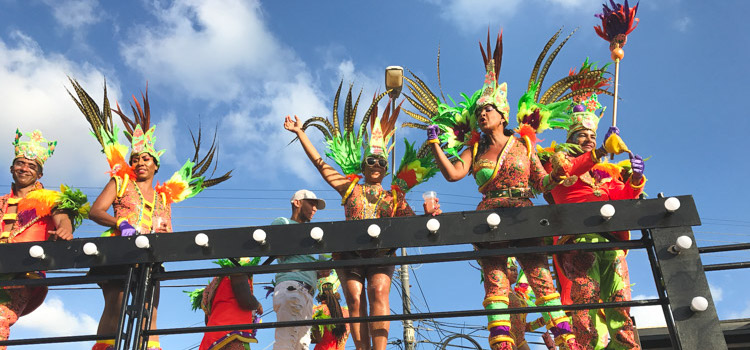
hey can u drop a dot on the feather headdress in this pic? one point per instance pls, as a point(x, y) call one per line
point(185, 183)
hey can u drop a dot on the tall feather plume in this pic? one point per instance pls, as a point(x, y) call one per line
point(549, 61)
point(203, 164)
point(440, 84)
point(335, 130)
point(535, 71)
point(142, 116)
point(496, 55)
point(374, 104)
point(348, 104)
point(97, 119)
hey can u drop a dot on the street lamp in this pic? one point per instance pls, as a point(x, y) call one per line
point(394, 81)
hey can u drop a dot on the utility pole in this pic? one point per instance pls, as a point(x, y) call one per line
point(409, 342)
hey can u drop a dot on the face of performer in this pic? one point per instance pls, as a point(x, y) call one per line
point(512, 274)
point(144, 166)
point(374, 169)
point(25, 171)
point(489, 118)
point(585, 138)
point(307, 209)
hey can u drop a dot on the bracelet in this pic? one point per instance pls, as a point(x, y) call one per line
point(638, 187)
point(120, 221)
point(436, 141)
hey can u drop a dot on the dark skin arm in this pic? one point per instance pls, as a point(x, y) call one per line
point(98, 211)
point(63, 227)
point(241, 288)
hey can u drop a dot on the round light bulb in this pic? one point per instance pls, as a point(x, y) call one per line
point(699, 304)
point(259, 236)
point(36, 252)
point(90, 249)
point(433, 225)
point(142, 242)
point(493, 220)
point(607, 211)
point(684, 243)
point(201, 239)
point(373, 231)
point(672, 204)
point(316, 233)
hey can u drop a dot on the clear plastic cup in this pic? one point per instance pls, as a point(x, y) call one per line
point(430, 199)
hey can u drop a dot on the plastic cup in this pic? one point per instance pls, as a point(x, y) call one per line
point(430, 198)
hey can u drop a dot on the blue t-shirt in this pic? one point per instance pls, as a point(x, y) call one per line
point(309, 277)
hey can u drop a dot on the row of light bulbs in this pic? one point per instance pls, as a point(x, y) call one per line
point(607, 211)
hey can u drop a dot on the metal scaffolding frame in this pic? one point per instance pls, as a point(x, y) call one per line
point(678, 275)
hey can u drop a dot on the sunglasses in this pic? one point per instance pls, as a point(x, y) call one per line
point(487, 108)
point(371, 161)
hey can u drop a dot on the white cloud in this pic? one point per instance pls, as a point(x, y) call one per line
point(223, 52)
point(470, 15)
point(648, 316)
point(683, 23)
point(213, 50)
point(33, 96)
point(52, 319)
point(74, 14)
point(716, 293)
point(741, 314)
point(578, 4)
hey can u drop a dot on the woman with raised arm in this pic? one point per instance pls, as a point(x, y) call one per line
point(138, 206)
point(507, 171)
point(363, 201)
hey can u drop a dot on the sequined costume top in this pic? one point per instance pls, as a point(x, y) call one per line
point(22, 229)
point(508, 182)
point(372, 202)
point(590, 189)
point(143, 213)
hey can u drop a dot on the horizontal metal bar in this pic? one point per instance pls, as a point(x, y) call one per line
point(51, 340)
point(324, 265)
point(727, 266)
point(455, 228)
point(401, 317)
point(399, 260)
point(723, 248)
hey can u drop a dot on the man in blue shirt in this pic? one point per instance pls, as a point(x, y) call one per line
point(293, 294)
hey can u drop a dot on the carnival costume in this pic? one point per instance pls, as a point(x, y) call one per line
point(30, 221)
point(591, 277)
point(508, 181)
point(333, 336)
point(221, 307)
point(135, 213)
point(346, 148)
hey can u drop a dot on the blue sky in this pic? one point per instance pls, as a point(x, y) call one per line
point(244, 65)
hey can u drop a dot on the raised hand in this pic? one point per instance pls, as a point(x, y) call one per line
point(612, 130)
point(637, 164)
point(293, 125)
point(432, 132)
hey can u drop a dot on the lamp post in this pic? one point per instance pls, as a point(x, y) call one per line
point(394, 81)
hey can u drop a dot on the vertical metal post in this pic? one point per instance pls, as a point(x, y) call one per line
point(684, 280)
point(124, 306)
point(151, 295)
point(140, 305)
point(660, 291)
point(409, 342)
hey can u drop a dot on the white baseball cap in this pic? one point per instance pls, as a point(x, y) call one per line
point(307, 194)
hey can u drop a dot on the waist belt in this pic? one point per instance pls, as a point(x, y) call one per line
point(513, 192)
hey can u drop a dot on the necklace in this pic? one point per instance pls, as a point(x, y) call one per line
point(371, 193)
